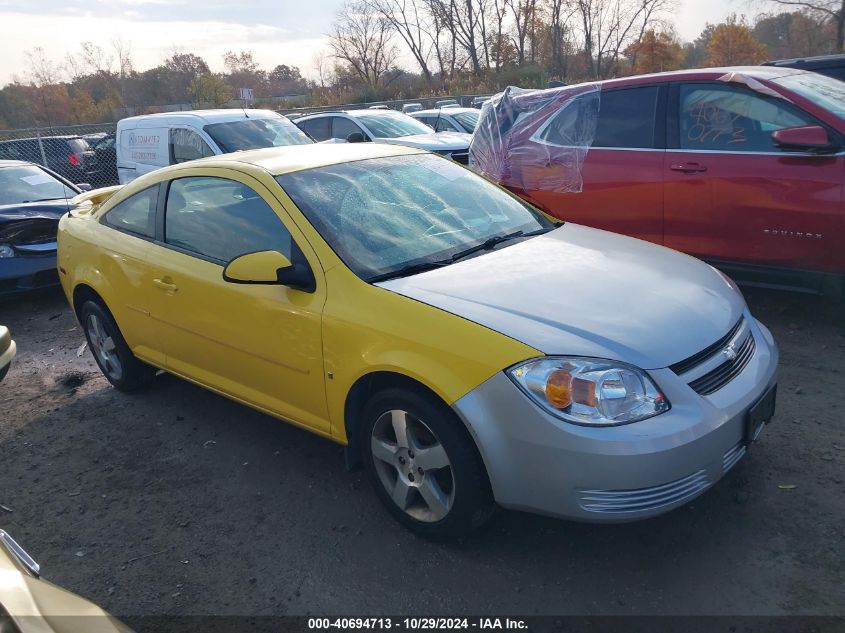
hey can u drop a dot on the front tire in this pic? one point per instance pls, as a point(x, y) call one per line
point(110, 351)
point(424, 465)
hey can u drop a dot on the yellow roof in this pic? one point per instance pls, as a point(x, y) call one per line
point(290, 158)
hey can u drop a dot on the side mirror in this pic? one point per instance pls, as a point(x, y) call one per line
point(356, 137)
point(84, 186)
point(269, 268)
point(806, 138)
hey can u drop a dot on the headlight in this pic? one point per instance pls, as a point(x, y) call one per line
point(590, 391)
point(6, 251)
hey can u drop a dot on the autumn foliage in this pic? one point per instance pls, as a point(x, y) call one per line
point(733, 44)
point(654, 53)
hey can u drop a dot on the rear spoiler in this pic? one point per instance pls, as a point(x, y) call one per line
point(87, 201)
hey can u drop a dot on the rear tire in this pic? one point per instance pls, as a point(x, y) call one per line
point(110, 351)
point(424, 465)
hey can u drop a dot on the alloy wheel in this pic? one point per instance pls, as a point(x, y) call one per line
point(413, 466)
point(103, 347)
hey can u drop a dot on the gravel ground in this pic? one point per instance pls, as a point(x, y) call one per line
point(177, 501)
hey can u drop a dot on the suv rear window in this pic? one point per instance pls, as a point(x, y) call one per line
point(78, 145)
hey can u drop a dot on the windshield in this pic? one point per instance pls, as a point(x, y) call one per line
point(467, 120)
point(385, 214)
point(30, 184)
point(392, 125)
point(233, 136)
point(824, 91)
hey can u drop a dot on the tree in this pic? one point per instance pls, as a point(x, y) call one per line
point(696, 51)
point(186, 64)
point(609, 26)
point(362, 38)
point(796, 34)
point(733, 44)
point(209, 89)
point(285, 79)
point(413, 23)
point(654, 53)
point(833, 10)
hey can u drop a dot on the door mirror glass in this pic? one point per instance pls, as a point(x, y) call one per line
point(812, 138)
point(355, 137)
point(262, 267)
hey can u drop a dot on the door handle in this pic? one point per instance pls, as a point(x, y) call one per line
point(165, 284)
point(688, 168)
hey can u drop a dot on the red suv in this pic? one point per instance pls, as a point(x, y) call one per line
point(742, 167)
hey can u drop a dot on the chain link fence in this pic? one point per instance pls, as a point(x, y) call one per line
point(79, 153)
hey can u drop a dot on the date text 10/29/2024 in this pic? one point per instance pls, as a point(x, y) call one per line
point(417, 624)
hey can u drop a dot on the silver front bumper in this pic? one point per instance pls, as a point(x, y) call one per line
point(539, 463)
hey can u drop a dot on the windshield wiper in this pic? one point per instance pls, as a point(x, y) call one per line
point(411, 269)
point(486, 245)
point(491, 242)
point(44, 199)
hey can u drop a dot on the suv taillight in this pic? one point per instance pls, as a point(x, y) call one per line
point(73, 159)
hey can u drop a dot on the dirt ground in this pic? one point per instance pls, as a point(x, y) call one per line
point(177, 501)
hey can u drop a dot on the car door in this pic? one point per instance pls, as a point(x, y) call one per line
point(732, 195)
point(258, 343)
point(343, 127)
point(622, 172)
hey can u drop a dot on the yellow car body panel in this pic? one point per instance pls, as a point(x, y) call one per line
point(292, 354)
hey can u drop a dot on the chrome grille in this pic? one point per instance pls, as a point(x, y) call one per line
point(732, 456)
point(643, 499)
point(693, 361)
point(727, 371)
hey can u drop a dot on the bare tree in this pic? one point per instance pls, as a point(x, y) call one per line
point(44, 71)
point(523, 17)
point(413, 23)
point(834, 10)
point(363, 39)
point(609, 26)
point(462, 18)
point(560, 13)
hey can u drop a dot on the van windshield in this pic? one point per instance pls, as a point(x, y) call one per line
point(233, 136)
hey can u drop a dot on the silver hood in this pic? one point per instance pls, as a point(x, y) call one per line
point(585, 292)
point(434, 142)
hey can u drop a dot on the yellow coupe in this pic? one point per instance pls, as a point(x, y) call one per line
point(464, 348)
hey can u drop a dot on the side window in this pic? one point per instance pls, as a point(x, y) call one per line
point(136, 214)
point(444, 125)
point(187, 145)
point(572, 126)
point(221, 219)
point(426, 119)
point(627, 118)
point(318, 129)
point(342, 128)
point(732, 119)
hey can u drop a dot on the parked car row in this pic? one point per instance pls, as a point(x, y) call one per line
point(385, 126)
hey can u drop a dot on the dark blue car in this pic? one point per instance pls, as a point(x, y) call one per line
point(32, 199)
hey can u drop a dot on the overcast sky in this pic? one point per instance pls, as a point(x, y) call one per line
point(278, 32)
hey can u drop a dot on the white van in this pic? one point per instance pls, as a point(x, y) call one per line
point(150, 141)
